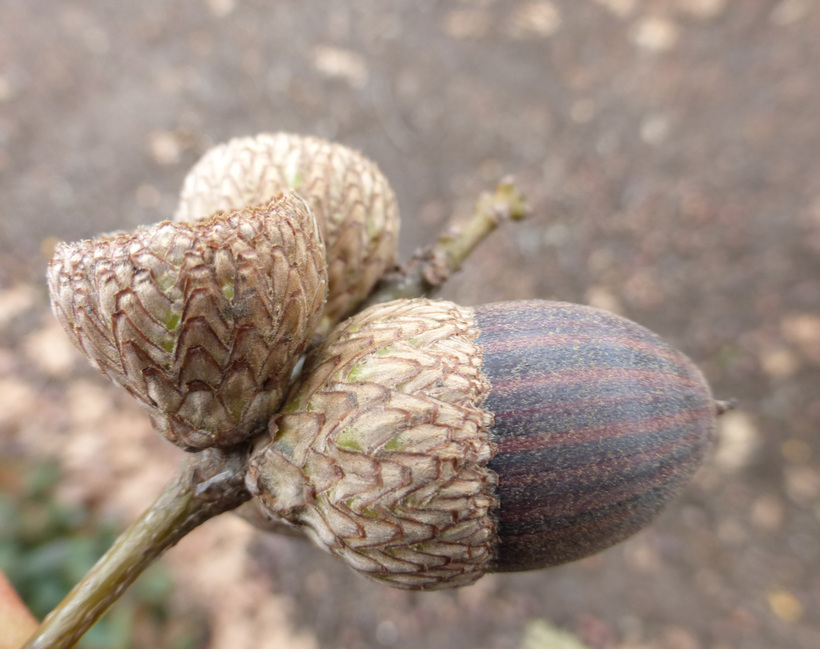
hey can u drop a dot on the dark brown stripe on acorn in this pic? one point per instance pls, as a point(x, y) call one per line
point(430, 443)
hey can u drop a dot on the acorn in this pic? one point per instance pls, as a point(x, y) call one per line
point(353, 202)
point(428, 443)
point(202, 323)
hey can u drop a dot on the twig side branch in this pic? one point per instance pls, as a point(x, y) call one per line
point(430, 268)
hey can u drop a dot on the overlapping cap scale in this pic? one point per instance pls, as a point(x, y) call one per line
point(353, 202)
point(380, 452)
point(202, 322)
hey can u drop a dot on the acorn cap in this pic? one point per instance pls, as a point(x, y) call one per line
point(353, 202)
point(202, 322)
point(429, 443)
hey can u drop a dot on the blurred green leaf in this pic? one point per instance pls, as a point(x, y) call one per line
point(46, 547)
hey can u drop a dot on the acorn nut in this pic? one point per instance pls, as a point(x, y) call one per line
point(202, 322)
point(353, 202)
point(429, 443)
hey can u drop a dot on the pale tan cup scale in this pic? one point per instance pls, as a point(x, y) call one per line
point(352, 200)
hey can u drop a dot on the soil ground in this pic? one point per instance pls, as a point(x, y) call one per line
point(670, 152)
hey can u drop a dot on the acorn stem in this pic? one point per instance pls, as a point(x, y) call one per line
point(430, 268)
point(206, 484)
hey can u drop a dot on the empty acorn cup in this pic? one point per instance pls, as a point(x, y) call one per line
point(427, 443)
point(353, 202)
point(201, 322)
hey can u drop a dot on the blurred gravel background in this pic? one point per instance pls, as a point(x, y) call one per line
point(670, 152)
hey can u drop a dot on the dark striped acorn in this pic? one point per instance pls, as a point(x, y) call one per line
point(429, 443)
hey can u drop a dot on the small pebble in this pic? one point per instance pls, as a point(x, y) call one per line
point(50, 351)
point(342, 64)
point(538, 19)
point(540, 634)
point(620, 8)
point(738, 441)
point(703, 9)
point(221, 8)
point(802, 484)
point(785, 606)
point(788, 12)
point(655, 34)
point(164, 147)
point(767, 513)
point(467, 23)
point(15, 301)
point(779, 362)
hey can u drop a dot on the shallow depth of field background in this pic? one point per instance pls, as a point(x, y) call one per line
point(670, 152)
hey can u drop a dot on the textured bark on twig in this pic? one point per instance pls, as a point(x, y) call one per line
point(430, 268)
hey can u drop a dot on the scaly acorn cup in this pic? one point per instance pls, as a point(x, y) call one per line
point(429, 443)
point(202, 322)
point(353, 202)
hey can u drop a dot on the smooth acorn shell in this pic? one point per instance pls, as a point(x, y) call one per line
point(202, 322)
point(598, 423)
point(538, 433)
point(351, 198)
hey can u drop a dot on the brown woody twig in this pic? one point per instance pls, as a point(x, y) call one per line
point(430, 268)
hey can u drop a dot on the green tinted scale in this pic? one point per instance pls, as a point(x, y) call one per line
point(356, 372)
point(370, 512)
point(350, 439)
point(297, 180)
point(236, 409)
point(393, 444)
point(165, 281)
point(293, 175)
point(401, 386)
point(293, 405)
point(374, 229)
point(286, 439)
point(228, 288)
point(171, 322)
point(386, 351)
